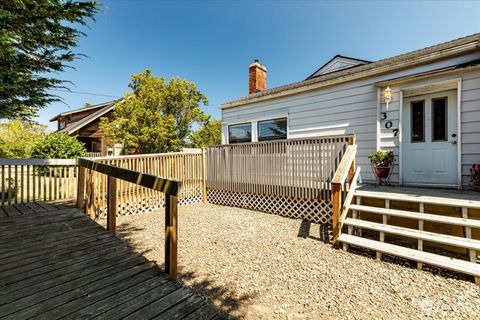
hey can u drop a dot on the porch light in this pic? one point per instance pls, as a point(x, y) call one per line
point(387, 94)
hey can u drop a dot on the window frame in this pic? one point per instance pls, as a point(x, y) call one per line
point(259, 139)
point(239, 124)
point(423, 120)
point(433, 119)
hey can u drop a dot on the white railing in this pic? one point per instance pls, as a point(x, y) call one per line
point(27, 180)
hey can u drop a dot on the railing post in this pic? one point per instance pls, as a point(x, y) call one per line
point(81, 188)
point(204, 176)
point(171, 235)
point(336, 210)
point(90, 209)
point(111, 204)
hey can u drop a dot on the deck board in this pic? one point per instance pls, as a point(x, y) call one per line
point(55, 263)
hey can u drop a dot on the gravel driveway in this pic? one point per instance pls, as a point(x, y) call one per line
point(261, 266)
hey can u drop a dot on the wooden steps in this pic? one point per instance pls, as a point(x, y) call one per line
point(418, 199)
point(416, 234)
point(418, 216)
point(359, 214)
point(412, 254)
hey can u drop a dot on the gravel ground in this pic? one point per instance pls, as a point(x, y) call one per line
point(255, 265)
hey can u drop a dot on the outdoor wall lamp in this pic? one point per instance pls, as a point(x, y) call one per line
point(387, 94)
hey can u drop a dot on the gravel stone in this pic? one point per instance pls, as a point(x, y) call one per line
point(255, 265)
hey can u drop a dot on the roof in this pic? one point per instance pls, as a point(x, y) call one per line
point(91, 107)
point(425, 55)
point(338, 63)
point(74, 126)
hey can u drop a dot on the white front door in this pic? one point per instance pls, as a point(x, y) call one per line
point(430, 139)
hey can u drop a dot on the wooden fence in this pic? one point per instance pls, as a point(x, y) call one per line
point(93, 154)
point(26, 180)
point(182, 166)
point(289, 177)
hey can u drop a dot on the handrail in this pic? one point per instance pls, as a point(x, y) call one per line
point(347, 203)
point(345, 169)
point(146, 155)
point(168, 186)
point(345, 164)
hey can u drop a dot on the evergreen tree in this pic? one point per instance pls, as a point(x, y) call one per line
point(36, 39)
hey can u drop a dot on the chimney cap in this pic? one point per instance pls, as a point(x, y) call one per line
point(256, 63)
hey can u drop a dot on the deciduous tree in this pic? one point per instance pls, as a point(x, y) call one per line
point(156, 115)
point(18, 137)
point(208, 135)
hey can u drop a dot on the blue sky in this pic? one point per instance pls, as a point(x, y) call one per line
point(213, 42)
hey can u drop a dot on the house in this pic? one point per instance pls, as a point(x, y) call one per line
point(84, 124)
point(425, 105)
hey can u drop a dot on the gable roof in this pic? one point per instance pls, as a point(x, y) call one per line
point(338, 63)
point(92, 107)
point(77, 125)
point(417, 57)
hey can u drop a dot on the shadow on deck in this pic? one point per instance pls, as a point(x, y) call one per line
point(56, 263)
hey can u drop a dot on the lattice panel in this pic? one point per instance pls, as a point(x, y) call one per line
point(141, 202)
point(318, 211)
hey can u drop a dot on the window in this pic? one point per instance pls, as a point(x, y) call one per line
point(275, 129)
point(439, 116)
point(61, 125)
point(238, 133)
point(418, 121)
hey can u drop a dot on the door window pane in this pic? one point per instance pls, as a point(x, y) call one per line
point(272, 129)
point(439, 119)
point(418, 121)
point(240, 133)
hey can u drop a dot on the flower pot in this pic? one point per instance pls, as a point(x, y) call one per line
point(382, 172)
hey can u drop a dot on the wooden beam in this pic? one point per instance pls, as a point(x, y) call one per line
point(80, 189)
point(112, 204)
point(336, 209)
point(204, 176)
point(171, 234)
point(167, 186)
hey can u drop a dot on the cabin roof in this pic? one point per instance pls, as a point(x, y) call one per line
point(77, 125)
point(89, 108)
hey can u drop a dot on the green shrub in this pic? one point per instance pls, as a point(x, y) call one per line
point(382, 158)
point(58, 146)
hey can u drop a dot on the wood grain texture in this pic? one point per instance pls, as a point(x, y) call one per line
point(68, 267)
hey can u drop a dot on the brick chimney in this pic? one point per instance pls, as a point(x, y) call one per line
point(257, 77)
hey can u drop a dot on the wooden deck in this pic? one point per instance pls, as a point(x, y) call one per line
point(56, 263)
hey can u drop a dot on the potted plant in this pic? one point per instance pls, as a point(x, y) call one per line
point(475, 175)
point(382, 162)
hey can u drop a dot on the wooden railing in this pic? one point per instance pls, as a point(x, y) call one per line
point(187, 167)
point(169, 187)
point(27, 180)
point(295, 168)
point(343, 190)
point(93, 154)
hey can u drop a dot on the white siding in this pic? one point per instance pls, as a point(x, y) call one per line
point(351, 108)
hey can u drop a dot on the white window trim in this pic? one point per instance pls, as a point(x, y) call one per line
point(254, 124)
